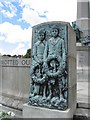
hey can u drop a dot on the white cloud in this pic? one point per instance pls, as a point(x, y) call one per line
point(31, 16)
point(2, 36)
point(8, 14)
point(54, 10)
point(9, 6)
point(29, 45)
point(20, 49)
point(1, 52)
point(1, 5)
point(14, 33)
point(62, 10)
point(57, 10)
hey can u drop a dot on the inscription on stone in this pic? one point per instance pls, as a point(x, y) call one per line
point(15, 62)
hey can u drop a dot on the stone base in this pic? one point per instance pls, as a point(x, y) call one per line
point(39, 112)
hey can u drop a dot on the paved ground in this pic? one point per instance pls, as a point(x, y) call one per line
point(83, 94)
point(83, 100)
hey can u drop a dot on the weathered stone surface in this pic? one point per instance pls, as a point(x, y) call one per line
point(83, 64)
point(39, 112)
point(83, 16)
point(82, 112)
point(15, 77)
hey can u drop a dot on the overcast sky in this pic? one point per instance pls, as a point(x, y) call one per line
point(18, 17)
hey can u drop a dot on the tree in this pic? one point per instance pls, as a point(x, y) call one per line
point(28, 54)
point(7, 55)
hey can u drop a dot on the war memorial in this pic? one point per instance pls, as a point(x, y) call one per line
point(54, 83)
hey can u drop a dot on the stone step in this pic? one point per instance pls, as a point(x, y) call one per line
point(83, 105)
point(76, 117)
point(83, 109)
point(12, 102)
point(18, 113)
point(81, 112)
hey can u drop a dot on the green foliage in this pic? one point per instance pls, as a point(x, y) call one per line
point(6, 115)
point(28, 54)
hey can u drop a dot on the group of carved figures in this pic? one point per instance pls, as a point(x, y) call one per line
point(49, 71)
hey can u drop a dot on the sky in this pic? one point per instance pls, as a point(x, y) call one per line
point(17, 17)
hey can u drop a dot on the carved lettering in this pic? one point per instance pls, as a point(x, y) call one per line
point(15, 62)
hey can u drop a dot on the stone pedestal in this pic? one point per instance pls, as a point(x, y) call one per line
point(39, 112)
point(69, 38)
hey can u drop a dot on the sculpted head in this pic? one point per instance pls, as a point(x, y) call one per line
point(41, 34)
point(54, 31)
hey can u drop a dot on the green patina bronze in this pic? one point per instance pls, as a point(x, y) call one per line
point(49, 74)
point(77, 31)
point(86, 40)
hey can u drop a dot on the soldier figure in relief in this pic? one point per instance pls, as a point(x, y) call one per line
point(55, 51)
point(37, 73)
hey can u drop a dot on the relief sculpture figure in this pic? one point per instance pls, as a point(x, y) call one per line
point(55, 56)
point(37, 72)
point(49, 69)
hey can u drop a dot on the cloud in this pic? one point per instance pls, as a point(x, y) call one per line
point(56, 10)
point(8, 9)
point(1, 51)
point(62, 10)
point(2, 36)
point(14, 33)
point(31, 16)
point(33, 12)
point(1, 5)
point(20, 49)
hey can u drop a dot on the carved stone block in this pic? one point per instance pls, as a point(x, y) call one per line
point(53, 68)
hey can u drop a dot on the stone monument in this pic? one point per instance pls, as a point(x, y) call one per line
point(83, 46)
point(53, 72)
point(83, 16)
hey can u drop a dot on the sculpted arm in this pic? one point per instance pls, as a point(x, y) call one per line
point(45, 52)
point(34, 54)
point(63, 52)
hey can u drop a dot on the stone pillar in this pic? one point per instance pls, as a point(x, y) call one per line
point(83, 16)
point(83, 21)
point(83, 48)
